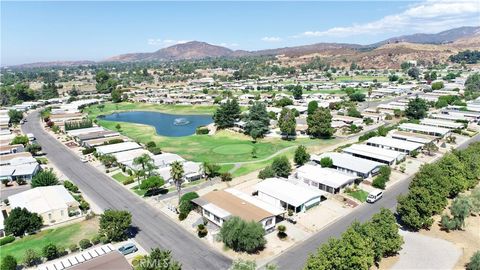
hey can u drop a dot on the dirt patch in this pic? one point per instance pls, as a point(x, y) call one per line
point(87, 227)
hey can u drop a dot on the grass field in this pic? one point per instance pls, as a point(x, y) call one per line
point(120, 177)
point(359, 194)
point(223, 147)
point(62, 236)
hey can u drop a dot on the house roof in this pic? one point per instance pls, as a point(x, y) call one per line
point(118, 147)
point(373, 152)
point(290, 193)
point(127, 157)
point(396, 143)
point(424, 128)
point(349, 162)
point(43, 199)
point(413, 137)
point(327, 176)
point(9, 159)
point(441, 123)
point(236, 206)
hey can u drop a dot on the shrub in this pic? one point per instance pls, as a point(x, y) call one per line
point(96, 239)
point(382, 178)
point(50, 252)
point(414, 153)
point(84, 243)
point(202, 230)
point(240, 235)
point(151, 144)
point(182, 216)
point(201, 131)
point(267, 172)
point(326, 162)
point(9, 263)
point(104, 240)
point(474, 263)
point(31, 258)
point(226, 177)
point(185, 204)
point(73, 247)
point(281, 231)
point(87, 151)
point(7, 239)
point(70, 186)
point(128, 181)
point(155, 150)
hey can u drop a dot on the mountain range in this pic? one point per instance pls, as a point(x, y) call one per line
point(453, 40)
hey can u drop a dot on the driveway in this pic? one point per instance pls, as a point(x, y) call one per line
point(424, 252)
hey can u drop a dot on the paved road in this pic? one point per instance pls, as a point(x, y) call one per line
point(155, 229)
point(296, 257)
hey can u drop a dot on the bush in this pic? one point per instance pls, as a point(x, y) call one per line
point(201, 131)
point(182, 216)
point(73, 248)
point(267, 172)
point(87, 151)
point(7, 239)
point(226, 177)
point(128, 181)
point(50, 252)
point(96, 239)
point(84, 243)
point(202, 230)
point(414, 153)
point(151, 144)
point(155, 150)
point(185, 204)
point(70, 186)
point(281, 231)
point(382, 178)
point(104, 240)
point(326, 162)
point(474, 263)
point(9, 263)
point(31, 258)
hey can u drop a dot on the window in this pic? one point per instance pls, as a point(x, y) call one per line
point(217, 219)
point(206, 212)
point(269, 222)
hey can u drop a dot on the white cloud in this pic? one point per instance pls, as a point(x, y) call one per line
point(271, 39)
point(164, 42)
point(427, 17)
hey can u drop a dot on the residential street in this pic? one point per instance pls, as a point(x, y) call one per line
point(155, 229)
point(296, 257)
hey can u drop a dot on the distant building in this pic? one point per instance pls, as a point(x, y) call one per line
point(356, 166)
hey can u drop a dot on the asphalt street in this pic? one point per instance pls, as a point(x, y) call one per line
point(154, 228)
point(296, 257)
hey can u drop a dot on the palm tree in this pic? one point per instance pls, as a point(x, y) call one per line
point(147, 165)
point(176, 171)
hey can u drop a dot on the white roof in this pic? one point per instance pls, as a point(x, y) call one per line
point(117, 147)
point(441, 123)
point(77, 132)
point(25, 169)
point(127, 157)
point(447, 116)
point(349, 162)
point(374, 152)
point(395, 143)
point(43, 199)
point(165, 159)
point(255, 201)
point(290, 193)
point(218, 211)
point(424, 128)
point(327, 176)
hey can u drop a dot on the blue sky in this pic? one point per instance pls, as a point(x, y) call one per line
point(49, 31)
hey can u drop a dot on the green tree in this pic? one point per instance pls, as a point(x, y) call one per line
point(147, 166)
point(116, 96)
point(114, 224)
point(414, 73)
point(177, 173)
point(44, 178)
point(186, 205)
point(267, 172)
point(474, 263)
point(20, 139)
point(211, 170)
point(287, 122)
point(226, 114)
point(326, 162)
point(301, 155)
point(297, 92)
point(8, 263)
point(357, 97)
point(437, 85)
point(416, 109)
point(240, 235)
point(15, 116)
point(312, 107)
point(159, 259)
point(383, 230)
point(320, 123)
point(105, 83)
point(257, 121)
point(33, 148)
point(281, 166)
point(152, 182)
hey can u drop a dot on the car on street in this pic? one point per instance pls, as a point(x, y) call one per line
point(84, 160)
point(128, 248)
point(374, 196)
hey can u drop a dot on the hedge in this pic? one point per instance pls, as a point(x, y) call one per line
point(7, 239)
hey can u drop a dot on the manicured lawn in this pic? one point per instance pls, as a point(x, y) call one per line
point(233, 149)
point(359, 194)
point(120, 177)
point(127, 106)
point(62, 236)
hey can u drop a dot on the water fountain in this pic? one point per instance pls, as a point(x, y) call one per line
point(180, 122)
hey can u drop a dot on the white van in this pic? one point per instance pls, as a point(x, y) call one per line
point(31, 137)
point(374, 196)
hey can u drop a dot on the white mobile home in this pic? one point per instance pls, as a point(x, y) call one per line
point(356, 166)
point(429, 130)
point(326, 179)
point(385, 156)
point(394, 144)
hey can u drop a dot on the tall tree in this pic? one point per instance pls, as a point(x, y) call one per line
point(177, 173)
point(320, 123)
point(297, 91)
point(287, 122)
point(257, 120)
point(301, 155)
point(417, 108)
point(226, 114)
point(147, 165)
point(312, 107)
point(21, 221)
point(114, 224)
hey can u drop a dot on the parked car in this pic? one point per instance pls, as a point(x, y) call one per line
point(84, 160)
point(128, 248)
point(374, 196)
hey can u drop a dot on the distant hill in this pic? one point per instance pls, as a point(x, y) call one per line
point(56, 64)
point(443, 37)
